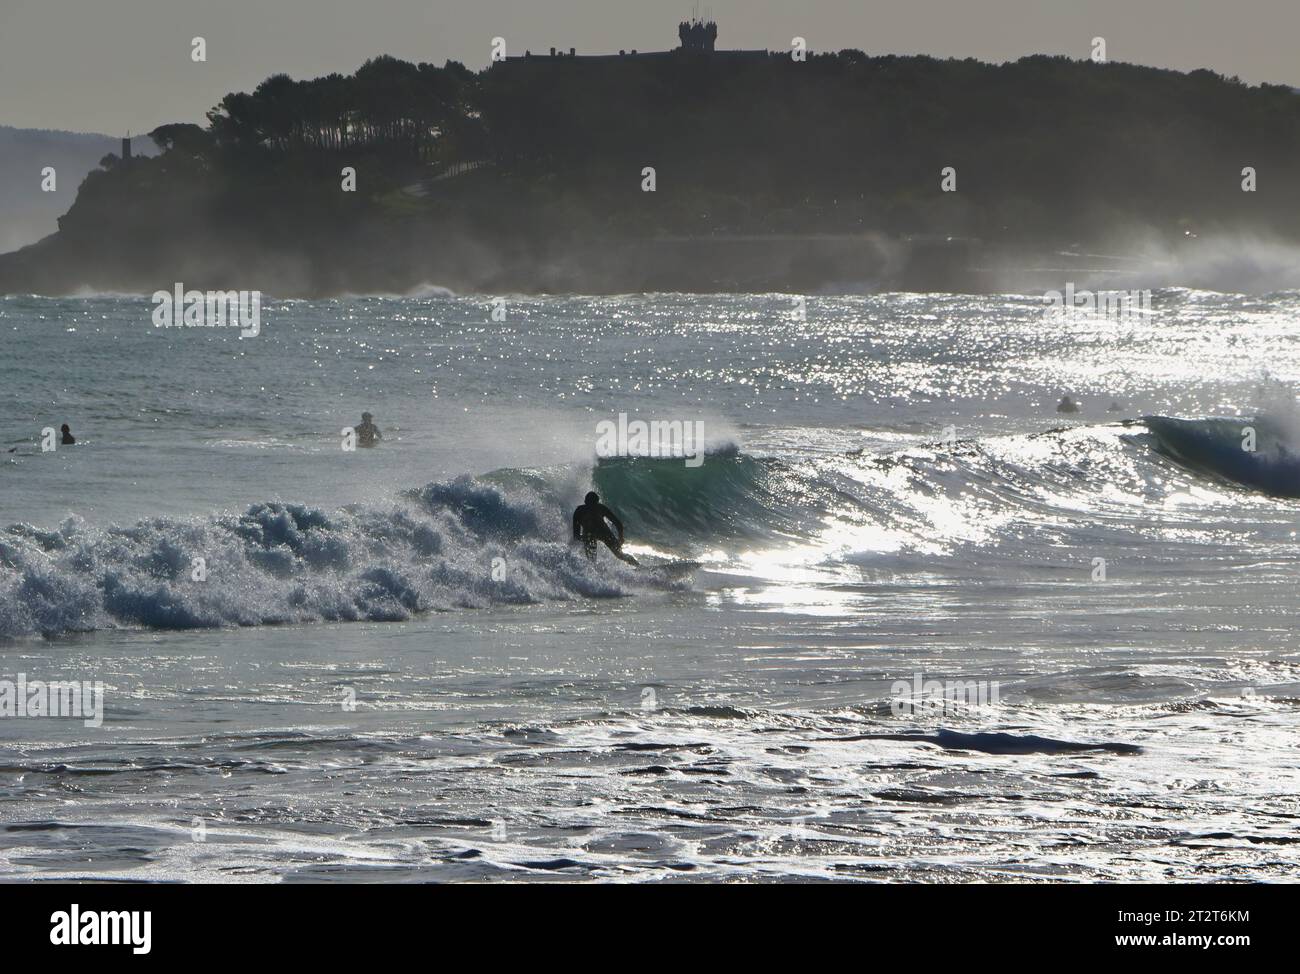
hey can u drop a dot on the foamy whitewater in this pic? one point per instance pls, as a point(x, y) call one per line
point(393, 666)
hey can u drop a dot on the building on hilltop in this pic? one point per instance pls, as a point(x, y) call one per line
point(696, 35)
point(697, 38)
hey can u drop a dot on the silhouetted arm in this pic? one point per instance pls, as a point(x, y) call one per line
point(577, 528)
point(606, 512)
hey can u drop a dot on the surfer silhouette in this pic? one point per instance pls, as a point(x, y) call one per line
point(1067, 405)
point(367, 432)
point(68, 439)
point(590, 528)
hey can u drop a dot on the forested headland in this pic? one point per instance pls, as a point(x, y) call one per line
point(768, 174)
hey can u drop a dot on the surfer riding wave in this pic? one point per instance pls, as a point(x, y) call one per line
point(590, 527)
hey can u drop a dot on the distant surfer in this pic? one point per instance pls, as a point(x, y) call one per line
point(590, 528)
point(1067, 405)
point(368, 433)
point(68, 438)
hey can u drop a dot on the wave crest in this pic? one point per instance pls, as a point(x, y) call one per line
point(463, 544)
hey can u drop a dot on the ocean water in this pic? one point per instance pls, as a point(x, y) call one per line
point(398, 669)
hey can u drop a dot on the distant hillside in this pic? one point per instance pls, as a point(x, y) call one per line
point(770, 175)
point(26, 213)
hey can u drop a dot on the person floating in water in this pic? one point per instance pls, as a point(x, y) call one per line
point(367, 432)
point(590, 528)
point(68, 438)
point(1067, 405)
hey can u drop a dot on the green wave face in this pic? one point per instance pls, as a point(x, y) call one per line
point(729, 497)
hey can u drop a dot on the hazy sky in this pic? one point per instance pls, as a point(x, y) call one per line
point(117, 65)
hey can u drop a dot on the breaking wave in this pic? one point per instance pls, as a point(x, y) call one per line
point(502, 538)
point(1258, 453)
point(463, 544)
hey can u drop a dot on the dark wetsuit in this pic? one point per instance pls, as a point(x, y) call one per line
point(590, 528)
point(367, 434)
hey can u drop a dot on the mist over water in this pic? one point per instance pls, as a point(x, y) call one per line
point(888, 492)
